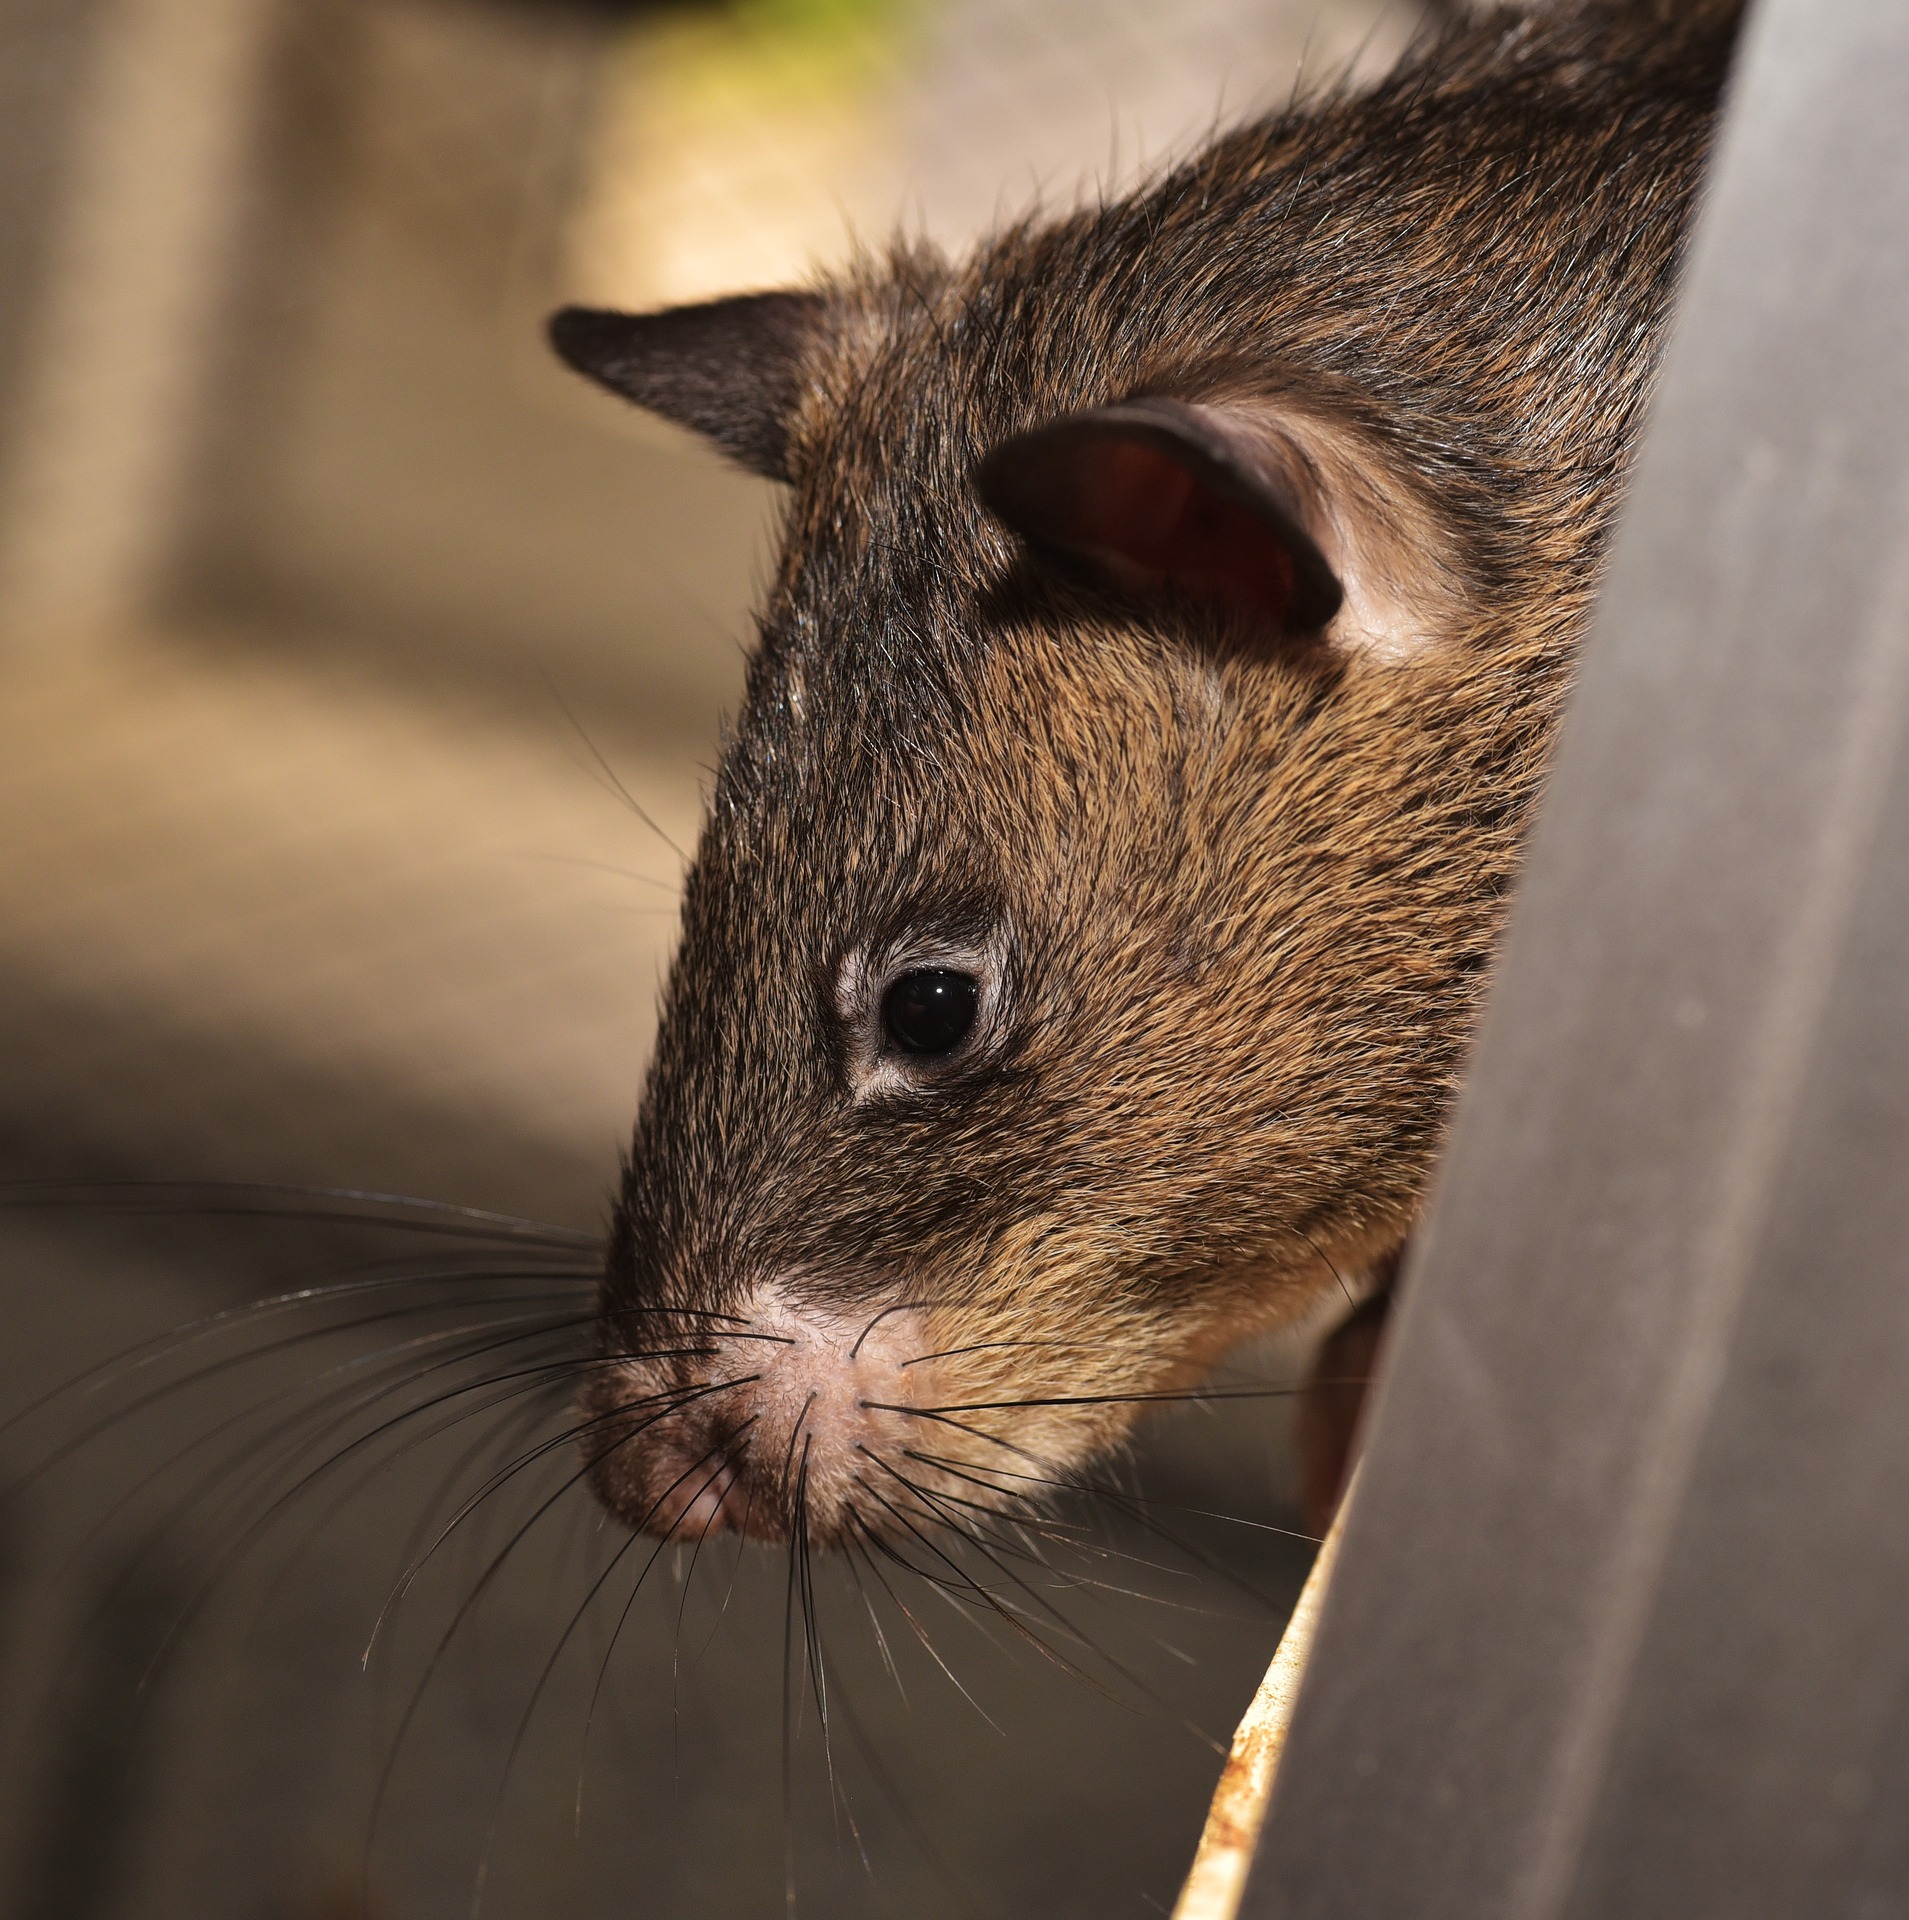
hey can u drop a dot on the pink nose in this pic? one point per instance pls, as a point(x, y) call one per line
point(790, 1414)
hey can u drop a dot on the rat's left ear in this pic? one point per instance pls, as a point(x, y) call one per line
point(731, 370)
point(1157, 495)
point(1295, 522)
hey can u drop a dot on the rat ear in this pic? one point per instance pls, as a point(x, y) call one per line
point(1158, 495)
point(731, 370)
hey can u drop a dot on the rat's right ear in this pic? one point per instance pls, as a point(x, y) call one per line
point(732, 370)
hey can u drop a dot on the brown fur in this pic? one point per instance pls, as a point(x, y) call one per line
point(1244, 894)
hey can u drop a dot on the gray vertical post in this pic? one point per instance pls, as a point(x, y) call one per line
point(1621, 1627)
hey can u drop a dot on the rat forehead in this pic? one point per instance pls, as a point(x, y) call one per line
point(865, 651)
point(849, 765)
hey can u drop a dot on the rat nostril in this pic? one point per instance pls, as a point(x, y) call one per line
point(931, 1010)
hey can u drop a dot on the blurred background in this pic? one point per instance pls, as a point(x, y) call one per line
point(339, 630)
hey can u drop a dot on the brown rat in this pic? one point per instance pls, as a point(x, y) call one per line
point(1175, 605)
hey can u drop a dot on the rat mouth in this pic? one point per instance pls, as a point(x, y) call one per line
point(784, 1419)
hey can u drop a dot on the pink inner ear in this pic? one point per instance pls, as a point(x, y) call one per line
point(1153, 524)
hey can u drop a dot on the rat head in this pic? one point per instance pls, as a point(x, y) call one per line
point(1083, 943)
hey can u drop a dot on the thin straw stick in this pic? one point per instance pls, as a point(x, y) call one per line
point(1218, 1879)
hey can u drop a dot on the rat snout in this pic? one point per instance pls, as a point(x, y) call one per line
point(781, 1416)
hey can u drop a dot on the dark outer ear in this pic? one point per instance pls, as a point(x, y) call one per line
point(1155, 494)
point(731, 370)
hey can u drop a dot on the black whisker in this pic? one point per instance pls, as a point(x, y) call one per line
point(1118, 1495)
point(961, 1426)
point(1191, 1394)
point(881, 1546)
point(1076, 1539)
point(722, 1612)
point(900, 1306)
point(609, 1652)
point(991, 1346)
point(260, 1525)
point(130, 1409)
point(682, 1601)
point(609, 776)
point(853, 1559)
point(811, 1627)
point(1134, 1506)
point(490, 1572)
point(1008, 1613)
point(879, 1773)
point(150, 1352)
point(401, 1363)
point(550, 1667)
point(969, 1529)
point(678, 1398)
point(387, 1210)
point(788, 1712)
point(1320, 1253)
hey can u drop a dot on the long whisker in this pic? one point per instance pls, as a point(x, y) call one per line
point(1117, 1495)
point(556, 1654)
point(1066, 1627)
point(261, 1524)
point(992, 1346)
point(1191, 1394)
point(953, 1593)
point(900, 1306)
point(131, 1409)
point(874, 1540)
point(403, 1373)
point(735, 1568)
point(401, 1361)
point(400, 1372)
point(385, 1209)
point(678, 1399)
point(811, 1631)
point(219, 1477)
point(960, 1581)
point(682, 1602)
point(150, 1352)
point(1135, 1508)
point(1320, 1254)
point(1076, 1539)
point(489, 1574)
point(879, 1773)
point(853, 1561)
point(609, 1652)
point(1071, 1539)
point(500, 1443)
point(609, 779)
point(789, 1702)
point(503, 1437)
point(970, 1529)
point(1007, 1613)
point(961, 1426)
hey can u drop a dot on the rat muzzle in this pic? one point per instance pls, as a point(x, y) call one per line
point(781, 1418)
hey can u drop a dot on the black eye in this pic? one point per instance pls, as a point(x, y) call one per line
point(931, 1010)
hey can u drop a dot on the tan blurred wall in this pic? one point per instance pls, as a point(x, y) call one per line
point(141, 180)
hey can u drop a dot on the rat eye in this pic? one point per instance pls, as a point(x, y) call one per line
point(930, 1010)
